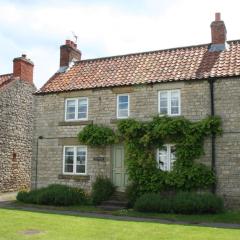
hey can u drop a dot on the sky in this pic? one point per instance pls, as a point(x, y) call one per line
point(105, 28)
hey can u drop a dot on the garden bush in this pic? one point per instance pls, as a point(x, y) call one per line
point(55, 194)
point(132, 193)
point(153, 202)
point(182, 203)
point(190, 202)
point(102, 190)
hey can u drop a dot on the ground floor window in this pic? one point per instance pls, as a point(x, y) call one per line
point(166, 157)
point(74, 159)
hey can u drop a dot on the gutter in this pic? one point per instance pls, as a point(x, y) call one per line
point(36, 166)
point(213, 147)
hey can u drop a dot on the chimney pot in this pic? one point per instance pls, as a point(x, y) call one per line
point(218, 16)
point(24, 55)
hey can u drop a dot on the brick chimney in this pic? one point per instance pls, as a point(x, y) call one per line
point(23, 68)
point(69, 53)
point(219, 34)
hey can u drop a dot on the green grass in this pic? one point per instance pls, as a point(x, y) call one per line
point(225, 217)
point(54, 226)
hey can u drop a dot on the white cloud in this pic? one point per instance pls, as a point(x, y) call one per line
point(105, 29)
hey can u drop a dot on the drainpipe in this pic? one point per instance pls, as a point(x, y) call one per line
point(36, 167)
point(213, 147)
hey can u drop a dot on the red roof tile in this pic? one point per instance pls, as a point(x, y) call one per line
point(5, 79)
point(186, 63)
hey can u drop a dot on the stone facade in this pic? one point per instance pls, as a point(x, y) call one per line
point(102, 110)
point(16, 130)
point(195, 105)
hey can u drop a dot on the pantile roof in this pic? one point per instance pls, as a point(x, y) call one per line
point(178, 64)
point(5, 79)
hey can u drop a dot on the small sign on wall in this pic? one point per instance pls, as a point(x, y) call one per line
point(99, 159)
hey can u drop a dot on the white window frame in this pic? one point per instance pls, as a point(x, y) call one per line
point(169, 93)
point(75, 160)
point(169, 160)
point(120, 117)
point(76, 109)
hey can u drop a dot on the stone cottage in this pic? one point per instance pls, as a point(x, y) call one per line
point(193, 81)
point(16, 125)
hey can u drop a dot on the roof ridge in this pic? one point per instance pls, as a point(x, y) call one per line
point(139, 53)
point(146, 52)
point(6, 74)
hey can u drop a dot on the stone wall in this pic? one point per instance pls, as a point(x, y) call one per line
point(227, 105)
point(16, 130)
point(102, 110)
point(195, 105)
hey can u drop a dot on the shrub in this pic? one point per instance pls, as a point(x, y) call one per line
point(96, 135)
point(153, 202)
point(102, 190)
point(190, 203)
point(132, 193)
point(182, 202)
point(55, 194)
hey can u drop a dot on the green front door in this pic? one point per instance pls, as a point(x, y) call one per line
point(119, 174)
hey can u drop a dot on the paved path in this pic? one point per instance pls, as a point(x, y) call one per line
point(10, 205)
point(7, 198)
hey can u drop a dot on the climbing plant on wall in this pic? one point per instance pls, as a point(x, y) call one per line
point(141, 140)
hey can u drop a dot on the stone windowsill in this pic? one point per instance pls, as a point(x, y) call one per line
point(75, 123)
point(74, 177)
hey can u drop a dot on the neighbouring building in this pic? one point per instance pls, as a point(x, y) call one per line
point(193, 81)
point(16, 125)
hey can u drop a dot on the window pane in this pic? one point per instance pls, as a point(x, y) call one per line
point(69, 151)
point(174, 94)
point(68, 168)
point(163, 111)
point(123, 99)
point(82, 101)
point(82, 108)
point(175, 102)
point(162, 158)
point(163, 102)
point(172, 156)
point(69, 159)
point(80, 169)
point(174, 110)
point(81, 159)
point(123, 113)
point(163, 96)
point(70, 111)
point(82, 115)
point(123, 106)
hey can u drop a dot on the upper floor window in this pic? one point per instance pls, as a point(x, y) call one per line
point(123, 106)
point(74, 159)
point(169, 102)
point(76, 109)
point(166, 157)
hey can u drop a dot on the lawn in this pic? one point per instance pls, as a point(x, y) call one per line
point(16, 224)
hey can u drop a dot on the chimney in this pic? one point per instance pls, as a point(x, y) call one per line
point(69, 53)
point(23, 68)
point(219, 34)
